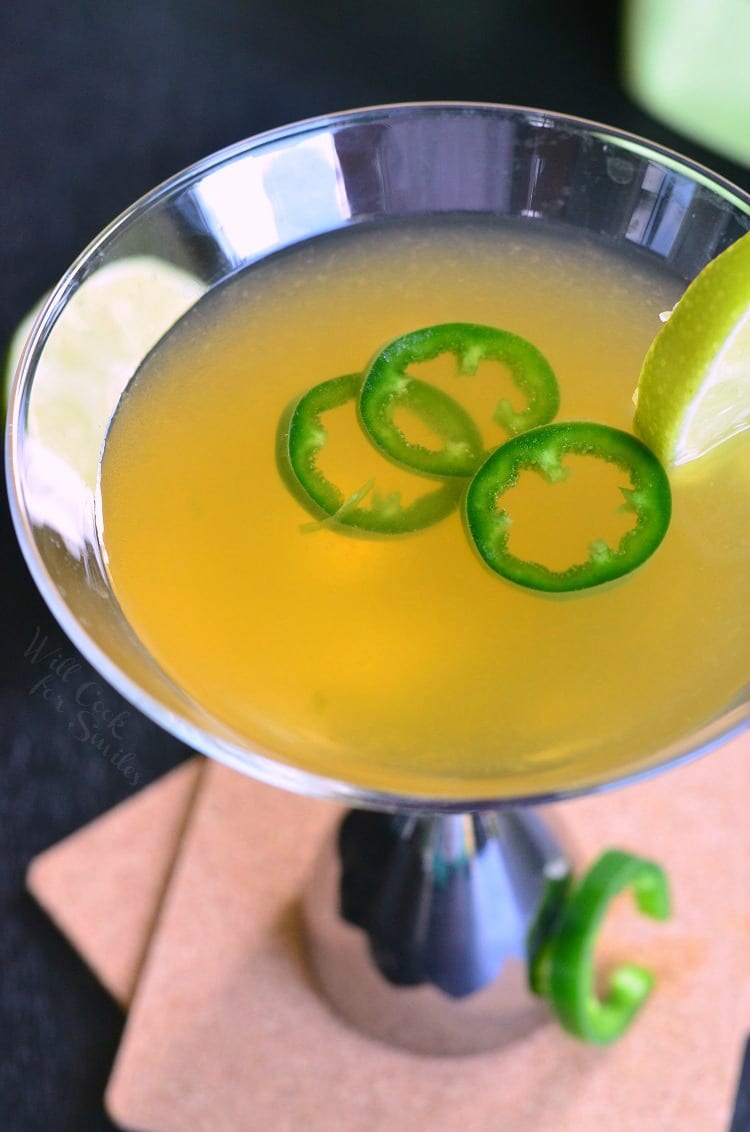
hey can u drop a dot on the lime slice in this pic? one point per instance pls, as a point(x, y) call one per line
point(15, 349)
point(108, 326)
point(694, 388)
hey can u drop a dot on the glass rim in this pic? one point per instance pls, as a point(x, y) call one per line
point(266, 768)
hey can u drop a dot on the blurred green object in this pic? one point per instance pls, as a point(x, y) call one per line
point(687, 62)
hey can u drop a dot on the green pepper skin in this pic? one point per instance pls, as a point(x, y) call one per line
point(569, 981)
point(542, 450)
point(387, 387)
point(299, 449)
point(557, 886)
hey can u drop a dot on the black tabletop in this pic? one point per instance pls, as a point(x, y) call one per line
point(99, 101)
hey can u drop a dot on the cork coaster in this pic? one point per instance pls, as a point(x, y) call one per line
point(227, 1030)
point(103, 885)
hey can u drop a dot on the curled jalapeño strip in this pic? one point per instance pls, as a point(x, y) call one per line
point(543, 450)
point(562, 965)
point(383, 515)
point(388, 388)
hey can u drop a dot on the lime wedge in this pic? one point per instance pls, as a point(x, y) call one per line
point(694, 388)
point(109, 324)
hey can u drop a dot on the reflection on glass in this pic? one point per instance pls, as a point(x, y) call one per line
point(291, 192)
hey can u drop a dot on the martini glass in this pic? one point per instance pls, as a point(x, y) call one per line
point(419, 910)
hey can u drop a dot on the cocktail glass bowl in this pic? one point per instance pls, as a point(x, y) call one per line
point(418, 913)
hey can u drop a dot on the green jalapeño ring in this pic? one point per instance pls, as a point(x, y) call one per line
point(386, 515)
point(542, 450)
point(388, 387)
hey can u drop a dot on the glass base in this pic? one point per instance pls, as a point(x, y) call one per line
point(418, 925)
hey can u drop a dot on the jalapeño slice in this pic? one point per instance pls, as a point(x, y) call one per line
point(542, 450)
point(567, 976)
point(384, 515)
point(388, 388)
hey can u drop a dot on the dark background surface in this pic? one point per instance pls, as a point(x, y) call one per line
point(99, 101)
